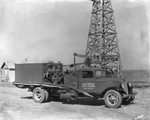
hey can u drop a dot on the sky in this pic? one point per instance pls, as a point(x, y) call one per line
point(45, 30)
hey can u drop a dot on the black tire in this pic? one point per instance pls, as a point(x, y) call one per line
point(39, 95)
point(112, 99)
point(46, 95)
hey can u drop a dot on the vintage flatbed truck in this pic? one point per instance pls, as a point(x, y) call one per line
point(48, 80)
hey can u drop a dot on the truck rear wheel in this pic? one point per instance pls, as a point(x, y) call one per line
point(112, 99)
point(39, 95)
point(46, 95)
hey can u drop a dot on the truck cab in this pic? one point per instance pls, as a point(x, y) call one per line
point(91, 80)
point(94, 81)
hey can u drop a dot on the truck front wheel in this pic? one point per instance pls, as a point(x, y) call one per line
point(112, 99)
point(39, 95)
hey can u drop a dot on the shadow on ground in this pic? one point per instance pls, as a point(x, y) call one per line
point(85, 101)
point(28, 97)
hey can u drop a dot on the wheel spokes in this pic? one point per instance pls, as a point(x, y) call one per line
point(112, 99)
point(38, 95)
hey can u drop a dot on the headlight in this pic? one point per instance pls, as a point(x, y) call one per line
point(129, 84)
point(123, 86)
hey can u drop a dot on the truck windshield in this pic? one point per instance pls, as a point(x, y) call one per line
point(87, 74)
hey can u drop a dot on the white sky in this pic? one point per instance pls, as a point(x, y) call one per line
point(31, 30)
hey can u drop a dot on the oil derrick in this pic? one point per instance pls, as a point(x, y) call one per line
point(102, 46)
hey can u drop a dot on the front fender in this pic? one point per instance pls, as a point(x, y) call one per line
point(119, 89)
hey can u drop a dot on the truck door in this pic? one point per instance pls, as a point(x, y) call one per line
point(87, 81)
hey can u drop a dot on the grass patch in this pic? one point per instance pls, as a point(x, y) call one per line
point(140, 84)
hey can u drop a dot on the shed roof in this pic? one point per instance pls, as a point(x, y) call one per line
point(10, 65)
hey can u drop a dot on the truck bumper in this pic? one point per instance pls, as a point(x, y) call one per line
point(130, 95)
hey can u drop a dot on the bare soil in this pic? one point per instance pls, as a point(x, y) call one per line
point(17, 104)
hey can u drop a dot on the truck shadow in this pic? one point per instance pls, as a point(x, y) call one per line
point(84, 101)
point(28, 97)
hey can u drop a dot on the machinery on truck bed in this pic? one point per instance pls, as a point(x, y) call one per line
point(48, 80)
point(101, 76)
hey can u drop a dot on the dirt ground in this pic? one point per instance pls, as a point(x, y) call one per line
point(17, 104)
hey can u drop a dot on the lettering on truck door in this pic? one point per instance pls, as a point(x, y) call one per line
point(87, 81)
